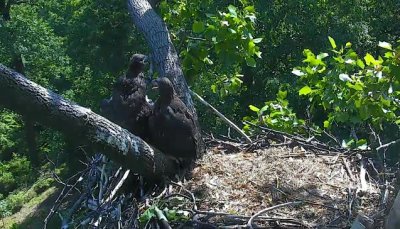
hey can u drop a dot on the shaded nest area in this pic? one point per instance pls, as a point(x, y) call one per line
point(237, 186)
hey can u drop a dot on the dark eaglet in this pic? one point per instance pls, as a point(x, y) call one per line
point(171, 124)
point(128, 106)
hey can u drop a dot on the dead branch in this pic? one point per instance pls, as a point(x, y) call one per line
point(384, 146)
point(219, 114)
point(309, 143)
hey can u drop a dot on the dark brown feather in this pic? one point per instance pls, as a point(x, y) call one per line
point(171, 124)
point(128, 106)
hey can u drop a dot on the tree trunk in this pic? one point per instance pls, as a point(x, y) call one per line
point(163, 54)
point(50, 109)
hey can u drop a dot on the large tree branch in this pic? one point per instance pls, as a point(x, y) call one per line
point(164, 54)
point(50, 109)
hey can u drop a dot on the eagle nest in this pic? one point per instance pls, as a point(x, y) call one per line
point(235, 185)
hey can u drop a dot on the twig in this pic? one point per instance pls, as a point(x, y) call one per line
point(332, 137)
point(219, 114)
point(363, 172)
point(67, 218)
point(314, 145)
point(118, 186)
point(59, 201)
point(387, 144)
point(348, 170)
point(250, 222)
point(196, 38)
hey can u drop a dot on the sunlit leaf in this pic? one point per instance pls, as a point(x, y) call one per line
point(214, 88)
point(369, 59)
point(297, 72)
point(360, 64)
point(232, 10)
point(254, 108)
point(305, 90)
point(332, 41)
point(257, 40)
point(385, 45)
point(322, 55)
point(344, 77)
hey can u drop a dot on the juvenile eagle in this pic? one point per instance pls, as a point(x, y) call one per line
point(128, 106)
point(172, 127)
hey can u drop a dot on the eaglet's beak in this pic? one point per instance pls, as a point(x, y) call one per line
point(144, 60)
point(154, 84)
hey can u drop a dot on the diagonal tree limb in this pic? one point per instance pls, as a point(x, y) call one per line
point(50, 109)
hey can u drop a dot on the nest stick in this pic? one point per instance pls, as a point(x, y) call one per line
point(250, 222)
point(219, 114)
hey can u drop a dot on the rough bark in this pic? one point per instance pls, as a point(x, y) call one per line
point(163, 54)
point(50, 109)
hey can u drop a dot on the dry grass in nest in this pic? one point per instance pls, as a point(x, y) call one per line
point(244, 183)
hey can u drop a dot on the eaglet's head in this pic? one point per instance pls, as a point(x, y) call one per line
point(137, 62)
point(164, 86)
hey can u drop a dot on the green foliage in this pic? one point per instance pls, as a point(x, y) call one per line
point(31, 37)
point(218, 43)
point(277, 115)
point(42, 184)
point(167, 214)
point(9, 127)
point(14, 173)
point(353, 90)
point(14, 202)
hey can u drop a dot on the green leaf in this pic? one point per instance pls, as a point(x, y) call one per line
point(251, 62)
point(232, 31)
point(344, 77)
point(332, 41)
point(385, 45)
point(257, 40)
point(369, 59)
point(362, 144)
point(357, 86)
point(322, 56)
point(282, 94)
point(251, 48)
point(297, 72)
point(305, 90)
point(224, 23)
point(208, 61)
point(250, 9)
point(198, 27)
point(360, 64)
point(147, 215)
point(348, 45)
point(327, 124)
point(214, 88)
point(232, 10)
point(254, 108)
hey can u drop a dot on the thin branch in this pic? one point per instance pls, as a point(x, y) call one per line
point(219, 114)
point(120, 183)
point(250, 222)
point(384, 146)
